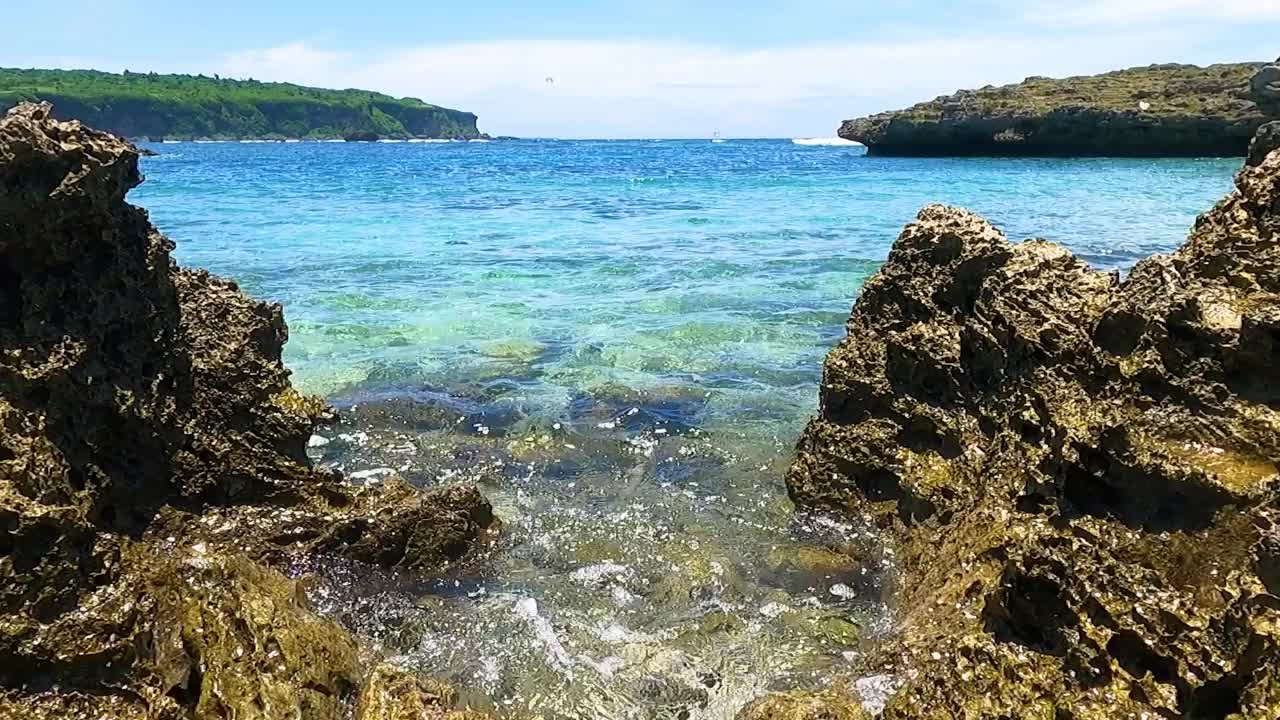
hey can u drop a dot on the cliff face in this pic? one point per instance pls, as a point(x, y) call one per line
point(1162, 110)
point(192, 106)
point(152, 459)
point(1078, 472)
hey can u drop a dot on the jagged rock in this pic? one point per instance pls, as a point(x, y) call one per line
point(1264, 143)
point(1078, 472)
point(1161, 110)
point(138, 400)
point(1265, 85)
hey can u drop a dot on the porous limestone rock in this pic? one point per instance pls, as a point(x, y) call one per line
point(1077, 471)
point(137, 401)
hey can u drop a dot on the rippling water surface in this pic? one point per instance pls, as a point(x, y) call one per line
point(620, 342)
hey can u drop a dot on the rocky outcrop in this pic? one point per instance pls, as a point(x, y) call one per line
point(1078, 472)
point(1161, 110)
point(152, 452)
point(1264, 143)
point(1265, 85)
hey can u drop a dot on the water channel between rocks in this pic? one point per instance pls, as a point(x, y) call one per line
point(647, 565)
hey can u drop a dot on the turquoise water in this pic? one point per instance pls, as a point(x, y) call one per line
point(619, 341)
point(723, 266)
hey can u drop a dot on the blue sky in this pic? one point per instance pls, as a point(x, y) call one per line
point(653, 68)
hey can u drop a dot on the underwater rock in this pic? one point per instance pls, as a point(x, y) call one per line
point(1077, 471)
point(671, 409)
point(822, 705)
point(149, 437)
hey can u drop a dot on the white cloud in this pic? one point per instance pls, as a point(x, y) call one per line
point(656, 89)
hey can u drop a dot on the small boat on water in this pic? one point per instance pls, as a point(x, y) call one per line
point(715, 137)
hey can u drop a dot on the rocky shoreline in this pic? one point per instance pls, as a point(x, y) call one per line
point(1078, 472)
point(153, 471)
point(1156, 111)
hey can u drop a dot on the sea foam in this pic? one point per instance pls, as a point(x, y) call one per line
point(827, 141)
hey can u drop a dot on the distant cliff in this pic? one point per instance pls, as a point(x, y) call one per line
point(196, 106)
point(1161, 110)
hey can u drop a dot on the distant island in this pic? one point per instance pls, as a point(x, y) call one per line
point(1160, 110)
point(186, 107)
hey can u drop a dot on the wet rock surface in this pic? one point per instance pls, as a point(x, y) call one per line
point(152, 455)
point(1078, 471)
point(1161, 110)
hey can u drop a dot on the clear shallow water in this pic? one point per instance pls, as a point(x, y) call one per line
point(620, 342)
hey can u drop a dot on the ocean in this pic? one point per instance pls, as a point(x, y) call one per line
point(620, 342)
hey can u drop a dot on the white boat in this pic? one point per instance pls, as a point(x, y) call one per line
point(715, 138)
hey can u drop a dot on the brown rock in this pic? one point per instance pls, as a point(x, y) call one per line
point(136, 397)
point(1078, 473)
point(1264, 143)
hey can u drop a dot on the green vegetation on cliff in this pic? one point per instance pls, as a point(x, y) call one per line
point(194, 106)
point(1175, 110)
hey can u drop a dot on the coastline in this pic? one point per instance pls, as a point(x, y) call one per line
point(960, 416)
point(1155, 111)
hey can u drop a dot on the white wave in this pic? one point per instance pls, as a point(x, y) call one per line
point(292, 140)
point(827, 141)
point(172, 142)
point(428, 140)
point(389, 140)
point(478, 140)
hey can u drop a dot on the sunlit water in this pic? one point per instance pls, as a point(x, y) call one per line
point(620, 342)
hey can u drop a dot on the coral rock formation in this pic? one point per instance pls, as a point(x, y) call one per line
point(138, 401)
point(1078, 471)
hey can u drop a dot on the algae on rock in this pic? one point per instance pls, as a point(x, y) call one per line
point(1078, 471)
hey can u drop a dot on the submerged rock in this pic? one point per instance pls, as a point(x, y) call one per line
point(150, 440)
point(1078, 472)
point(822, 705)
point(1161, 110)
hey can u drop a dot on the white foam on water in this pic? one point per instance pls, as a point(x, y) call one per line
point(557, 656)
point(825, 142)
point(599, 573)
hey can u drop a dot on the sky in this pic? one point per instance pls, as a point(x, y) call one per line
point(643, 68)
